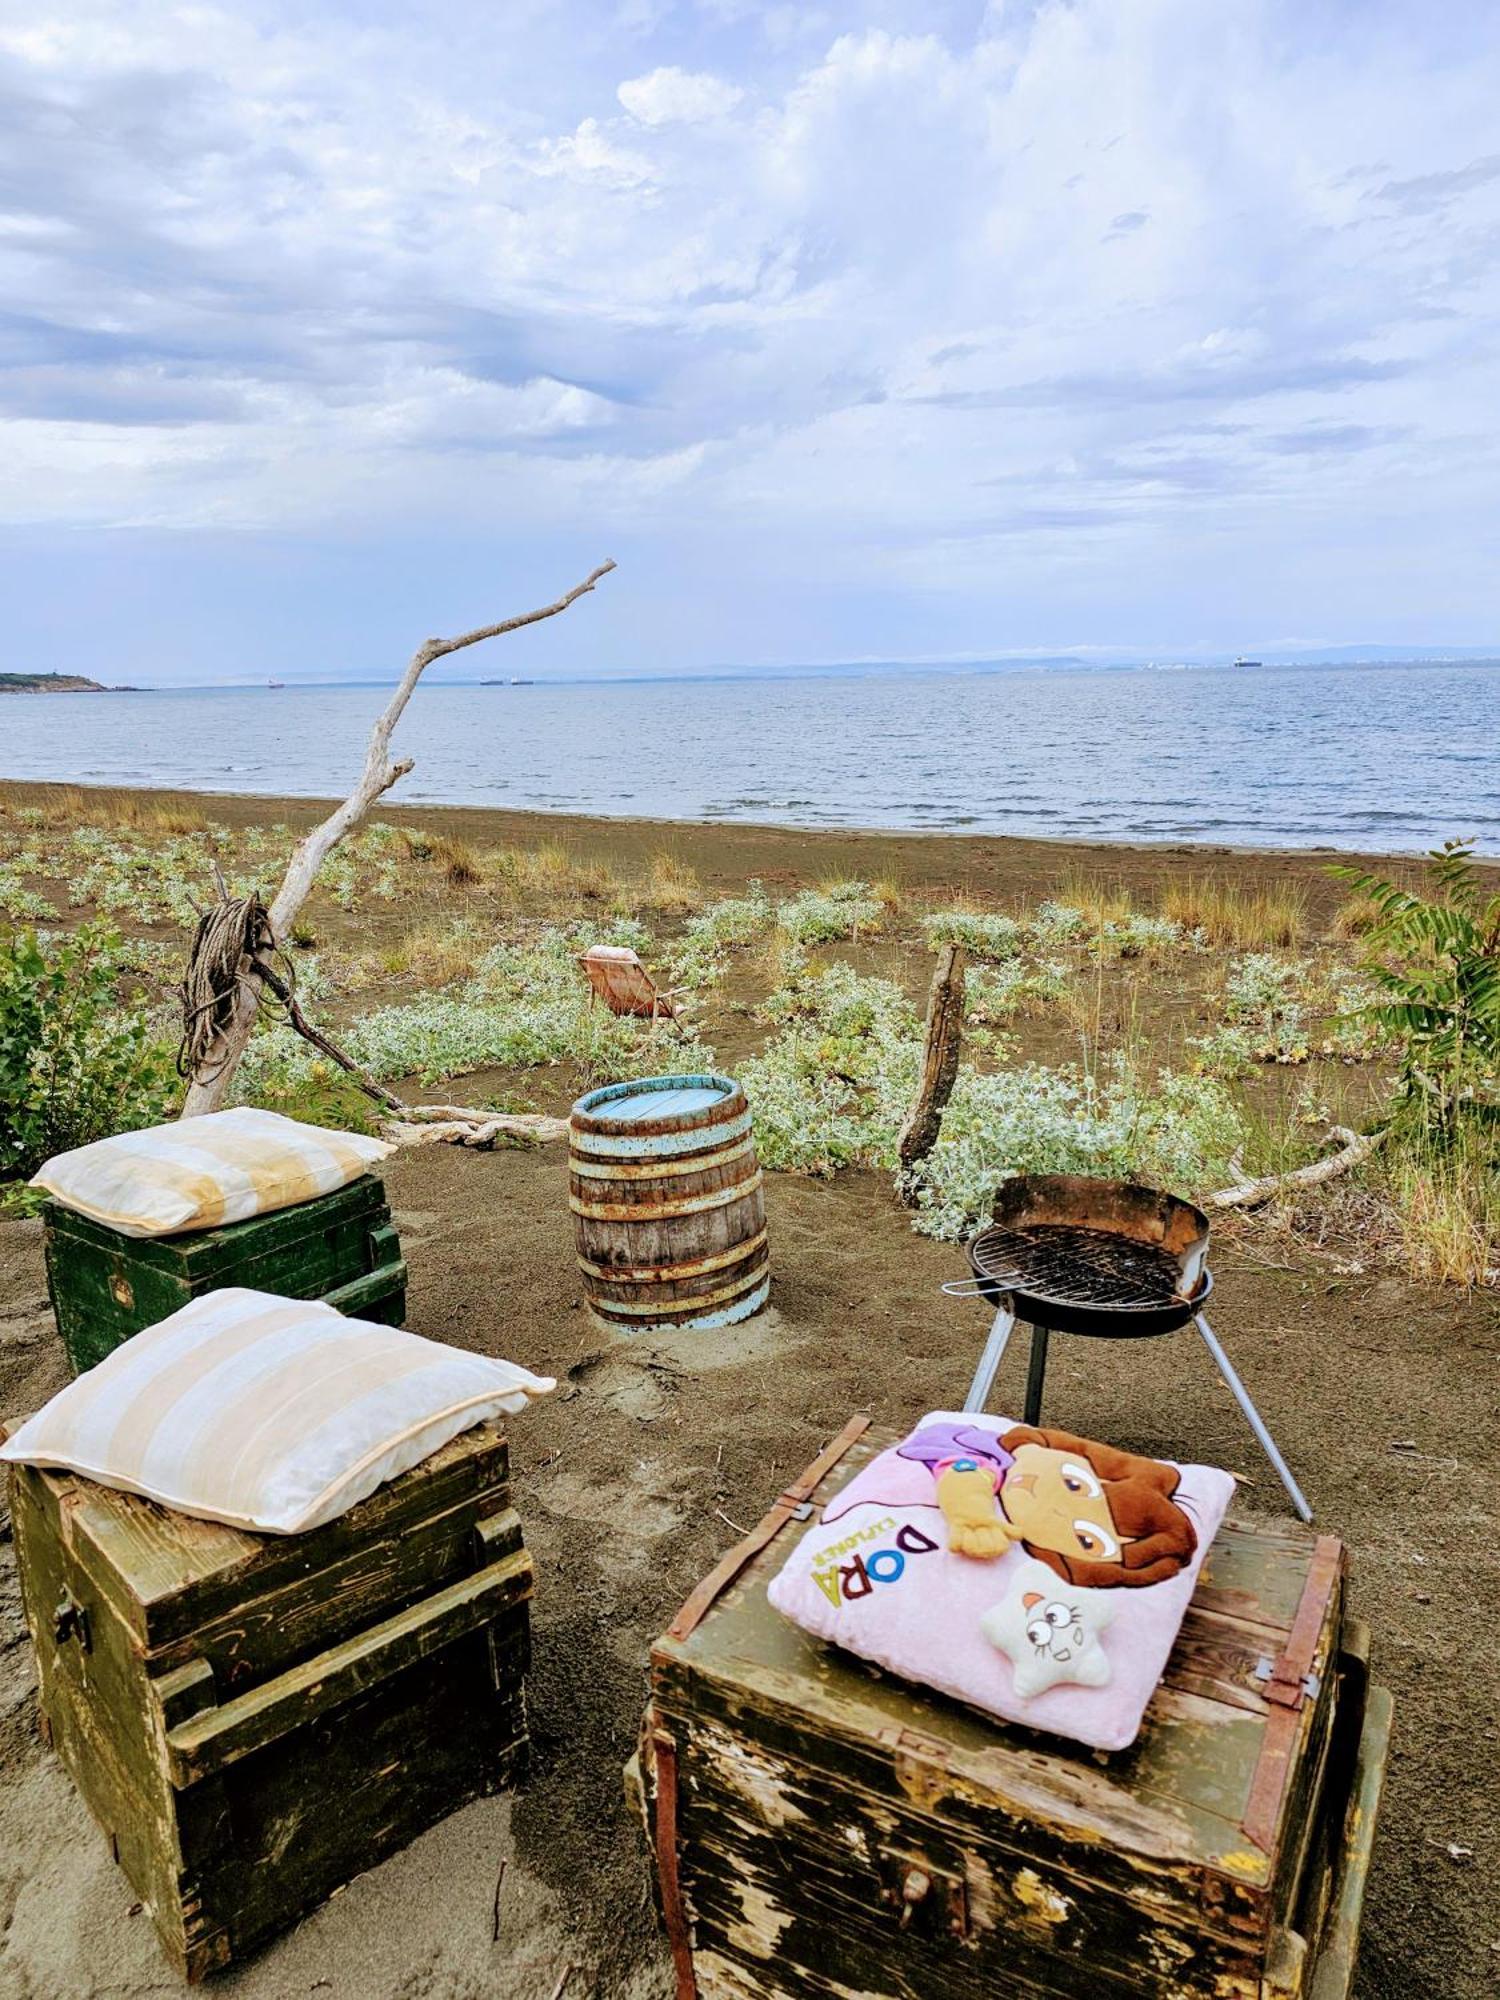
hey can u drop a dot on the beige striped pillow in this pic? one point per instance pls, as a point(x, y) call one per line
point(200, 1172)
point(266, 1413)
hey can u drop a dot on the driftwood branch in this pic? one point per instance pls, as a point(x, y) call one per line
point(211, 1079)
point(1353, 1147)
point(482, 1129)
point(940, 1047)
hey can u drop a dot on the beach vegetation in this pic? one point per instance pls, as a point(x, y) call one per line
point(832, 1084)
point(77, 1060)
point(1014, 989)
point(1103, 905)
point(1111, 1117)
point(836, 911)
point(524, 1005)
point(1229, 914)
point(986, 934)
point(1435, 960)
point(728, 926)
point(1447, 1199)
point(671, 887)
point(1055, 923)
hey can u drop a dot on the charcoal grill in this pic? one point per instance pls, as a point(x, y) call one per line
point(1108, 1259)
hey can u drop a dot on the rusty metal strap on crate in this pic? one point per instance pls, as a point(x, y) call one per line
point(766, 1530)
point(674, 1913)
point(1286, 1692)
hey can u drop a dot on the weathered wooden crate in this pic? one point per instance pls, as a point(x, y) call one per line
point(255, 1719)
point(341, 1247)
point(823, 1831)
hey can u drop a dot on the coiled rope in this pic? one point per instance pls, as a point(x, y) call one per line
point(233, 947)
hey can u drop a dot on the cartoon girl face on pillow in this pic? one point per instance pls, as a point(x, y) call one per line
point(1094, 1515)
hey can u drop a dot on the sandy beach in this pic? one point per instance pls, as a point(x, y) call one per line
point(634, 1478)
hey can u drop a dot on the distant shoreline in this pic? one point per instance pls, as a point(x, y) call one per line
point(1045, 665)
point(57, 684)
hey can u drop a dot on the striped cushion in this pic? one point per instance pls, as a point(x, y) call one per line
point(200, 1172)
point(266, 1413)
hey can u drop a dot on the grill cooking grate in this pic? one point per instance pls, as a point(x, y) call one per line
point(1079, 1266)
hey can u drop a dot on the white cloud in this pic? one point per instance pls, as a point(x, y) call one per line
point(677, 97)
point(1108, 315)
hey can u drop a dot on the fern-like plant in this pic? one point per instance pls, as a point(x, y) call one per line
point(1436, 960)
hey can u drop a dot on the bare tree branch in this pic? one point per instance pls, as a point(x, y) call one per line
point(211, 1081)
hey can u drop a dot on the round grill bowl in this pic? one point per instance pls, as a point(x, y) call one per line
point(1137, 1214)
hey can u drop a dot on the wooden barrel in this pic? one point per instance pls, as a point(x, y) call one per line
point(667, 1204)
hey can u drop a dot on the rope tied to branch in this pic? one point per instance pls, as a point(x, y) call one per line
point(233, 949)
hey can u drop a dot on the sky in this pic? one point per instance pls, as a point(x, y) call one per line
point(860, 331)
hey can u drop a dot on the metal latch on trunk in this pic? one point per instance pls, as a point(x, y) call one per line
point(929, 1902)
point(70, 1620)
point(1282, 1684)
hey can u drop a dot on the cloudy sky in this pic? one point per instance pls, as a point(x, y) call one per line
point(868, 329)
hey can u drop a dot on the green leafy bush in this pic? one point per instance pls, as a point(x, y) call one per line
point(994, 994)
point(75, 1063)
point(1058, 923)
point(1436, 961)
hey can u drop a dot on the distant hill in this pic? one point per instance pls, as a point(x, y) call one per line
point(51, 684)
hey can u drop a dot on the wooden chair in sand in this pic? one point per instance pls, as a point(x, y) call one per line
point(617, 977)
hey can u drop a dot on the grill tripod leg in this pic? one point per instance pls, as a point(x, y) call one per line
point(1242, 1396)
point(1001, 1328)
point(1036, 1374)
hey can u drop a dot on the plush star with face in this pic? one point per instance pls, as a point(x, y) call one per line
point(1049, 1631)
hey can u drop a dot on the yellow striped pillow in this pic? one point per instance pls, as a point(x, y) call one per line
point(267, 1413)
point(200, 1172)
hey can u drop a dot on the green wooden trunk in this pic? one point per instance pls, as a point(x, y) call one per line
point(826, 1832)
point(341, 1247)
point(255, 1719)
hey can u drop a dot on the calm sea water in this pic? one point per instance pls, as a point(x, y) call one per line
point(1391, 758)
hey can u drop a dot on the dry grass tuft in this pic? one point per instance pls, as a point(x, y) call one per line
point(139, 812)
point(427, 954)
point(461, 864)
point(1100, 901)
point(1355, 917)
point(671, 889)
point(1246, 919)
point(552, 876)
point(890, 895)
point(1449, 1206)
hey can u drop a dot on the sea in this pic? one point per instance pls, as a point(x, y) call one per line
point(1384, 758)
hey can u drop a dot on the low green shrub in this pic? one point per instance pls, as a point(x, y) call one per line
point(1169, 1130)
point(527, 1004)
point(831, 1088)
point(702, 951)
point(76, 1063)
point(985, 934)
point(823, 916)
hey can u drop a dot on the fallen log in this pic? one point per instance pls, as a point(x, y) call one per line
point(1354, 1147)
